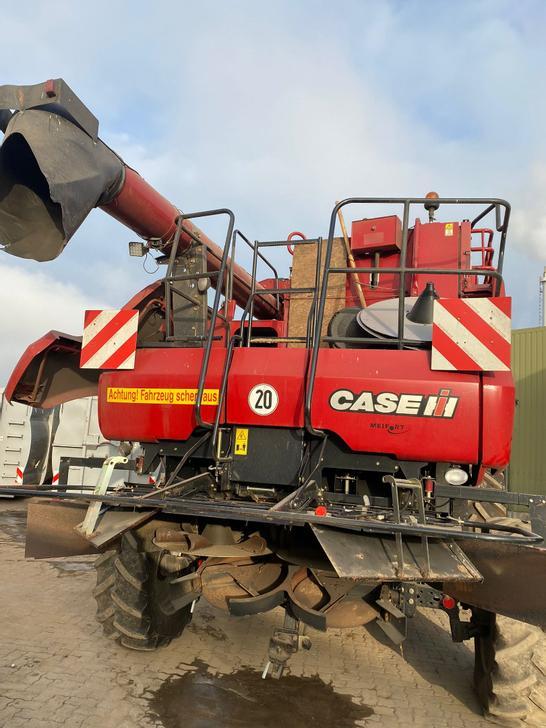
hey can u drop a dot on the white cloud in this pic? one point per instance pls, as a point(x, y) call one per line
point(276, 110)
point(529, 219)
point(33, 303)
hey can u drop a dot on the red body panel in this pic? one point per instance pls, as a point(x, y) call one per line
point(498, 403)
point(164, 369)
point(377, 234)
point(33, 352)
point(48, 374)
point(283, 369)
point(405, 436)
point(439, 245)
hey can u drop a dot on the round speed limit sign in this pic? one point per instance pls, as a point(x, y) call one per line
point(263, 399)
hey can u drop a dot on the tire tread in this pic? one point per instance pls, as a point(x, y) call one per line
point(511, 685)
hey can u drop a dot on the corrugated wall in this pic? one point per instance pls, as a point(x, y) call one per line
point(527, 471)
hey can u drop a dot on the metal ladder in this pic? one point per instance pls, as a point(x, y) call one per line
point(244, 337)
point(171, 279)
point(415, 487)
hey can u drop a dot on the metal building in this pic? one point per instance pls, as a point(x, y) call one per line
point(14, 440)
point(527, 471)
point(33, 441)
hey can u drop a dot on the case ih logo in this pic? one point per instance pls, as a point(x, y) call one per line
point(390, 403)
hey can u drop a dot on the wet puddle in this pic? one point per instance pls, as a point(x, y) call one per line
point(199, 699)
point(210, 630)
point(72, 568)
point(13, 526)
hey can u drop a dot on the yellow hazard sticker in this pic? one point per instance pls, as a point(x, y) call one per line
point(241, 441)
point(448, 229)
point(159, 395)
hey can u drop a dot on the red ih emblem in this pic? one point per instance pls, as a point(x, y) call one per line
point(441, 403)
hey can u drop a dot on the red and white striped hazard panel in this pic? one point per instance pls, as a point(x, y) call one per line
point(109, 339)
point(471, 334)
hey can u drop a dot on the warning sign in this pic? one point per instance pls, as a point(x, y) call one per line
point(263, 399)
point(241, 441)
point(157, 395)
point(448, 230)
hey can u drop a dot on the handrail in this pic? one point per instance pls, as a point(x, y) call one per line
point(260, 255)
point(209, 337)
point(286, 292)
point(402, 271)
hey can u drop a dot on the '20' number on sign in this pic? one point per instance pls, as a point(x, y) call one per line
point(263, 399)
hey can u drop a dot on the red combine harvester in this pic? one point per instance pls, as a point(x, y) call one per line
point(328, 442)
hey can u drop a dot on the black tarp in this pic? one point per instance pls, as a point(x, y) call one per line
point(52, 174)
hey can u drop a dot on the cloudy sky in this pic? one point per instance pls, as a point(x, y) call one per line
point(276, 109)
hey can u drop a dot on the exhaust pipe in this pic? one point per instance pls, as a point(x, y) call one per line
point(54, 170)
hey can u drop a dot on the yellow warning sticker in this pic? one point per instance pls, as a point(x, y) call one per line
point(241, 441)
point(159, 395)
point(448, 229)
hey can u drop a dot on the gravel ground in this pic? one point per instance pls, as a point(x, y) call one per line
point(57, 668)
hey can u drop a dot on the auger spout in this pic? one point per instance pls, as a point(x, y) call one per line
point(54, 170)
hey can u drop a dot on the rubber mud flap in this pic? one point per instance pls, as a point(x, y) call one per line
point(513, 585)
point(50, 529)
point(360, 556)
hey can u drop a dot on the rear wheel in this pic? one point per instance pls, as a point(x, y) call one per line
point(136, 604)
point(106, 578)
point(510, 670)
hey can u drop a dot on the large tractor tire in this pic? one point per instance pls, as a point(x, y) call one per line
point(106, 578)
point(136, 605)
point(510, 670)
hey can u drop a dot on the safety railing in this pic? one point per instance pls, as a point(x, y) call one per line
point(286, 293)
point(244, 336)
point(499, 207)
point(170, 284)
point(255, 253)
point(486, 252)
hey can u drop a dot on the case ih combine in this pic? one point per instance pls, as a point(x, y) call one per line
point(327, 442)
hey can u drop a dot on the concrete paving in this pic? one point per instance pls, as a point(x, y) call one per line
point(56, 667)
